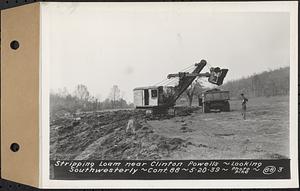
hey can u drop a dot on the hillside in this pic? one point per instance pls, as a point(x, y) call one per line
point(268, 83)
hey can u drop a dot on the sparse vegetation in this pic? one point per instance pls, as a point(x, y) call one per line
point(82, 100)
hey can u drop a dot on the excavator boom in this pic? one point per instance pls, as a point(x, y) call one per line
point(216, 76)
point(184, 82)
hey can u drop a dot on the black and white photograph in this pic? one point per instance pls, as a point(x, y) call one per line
point(166, 82)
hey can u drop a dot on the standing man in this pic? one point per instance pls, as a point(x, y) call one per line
point(244, 102)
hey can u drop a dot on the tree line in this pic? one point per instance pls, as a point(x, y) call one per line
point(269, 83)
point(82, 100)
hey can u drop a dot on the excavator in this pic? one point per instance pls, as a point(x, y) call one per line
point(159, 99)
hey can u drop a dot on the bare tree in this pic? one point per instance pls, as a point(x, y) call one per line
point(98, 101)
point(195, 88)
point(114, 95)
point(63, 92)
point(81, 92)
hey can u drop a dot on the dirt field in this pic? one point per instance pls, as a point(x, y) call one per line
point(191, 135)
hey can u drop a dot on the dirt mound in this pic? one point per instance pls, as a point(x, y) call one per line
point(185, 111)
point(102, 135)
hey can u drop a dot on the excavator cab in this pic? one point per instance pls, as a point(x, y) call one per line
point(217, 75)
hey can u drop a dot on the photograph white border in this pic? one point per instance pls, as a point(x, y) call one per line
point(291, 7)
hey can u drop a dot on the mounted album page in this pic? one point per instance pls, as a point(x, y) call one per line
point(150, 94)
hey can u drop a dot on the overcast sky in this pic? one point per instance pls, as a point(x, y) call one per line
point(101, 46)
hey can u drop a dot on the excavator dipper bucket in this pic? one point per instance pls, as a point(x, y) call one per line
point(217, 75)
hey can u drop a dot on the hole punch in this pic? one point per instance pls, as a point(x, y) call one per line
point(14, 45)
point(15, 147)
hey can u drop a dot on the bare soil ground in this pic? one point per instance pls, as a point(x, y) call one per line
point(189, 135)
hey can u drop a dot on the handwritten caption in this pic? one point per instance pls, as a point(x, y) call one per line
point(165, 169)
